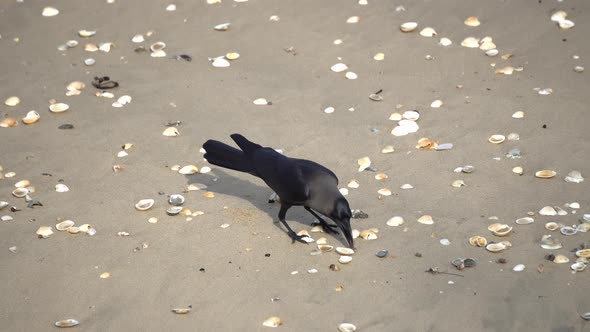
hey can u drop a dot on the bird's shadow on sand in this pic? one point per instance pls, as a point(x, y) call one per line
point(224, 183)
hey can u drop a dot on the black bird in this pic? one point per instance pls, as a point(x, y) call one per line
point(296, 182)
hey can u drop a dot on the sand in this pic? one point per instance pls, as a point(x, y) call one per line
point(238, 276)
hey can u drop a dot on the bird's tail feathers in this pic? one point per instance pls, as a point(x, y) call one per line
point(223, 155)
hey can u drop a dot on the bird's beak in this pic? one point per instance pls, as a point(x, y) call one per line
point(347, 231)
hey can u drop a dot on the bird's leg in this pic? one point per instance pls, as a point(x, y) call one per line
point(290, 232)
point(325, 226)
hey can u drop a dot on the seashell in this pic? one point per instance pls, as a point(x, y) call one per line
point(395, 116)
point(171, 132)
point(560, 259)
point(351, 75)
point(325, 247)
point(343, 191)
point(548, 211)
point(379, 57)
point(144, 204)
point(567, 230)
point(376, 97)
point(583, 228)
point(478, 241)
point(12, 101)
point(368, 235)
point(382, 253)
point(579, 69)
point(205, 169)
point(426, 143)
point(578, 266)
point(7, 218)
point(518, 115)
point(470, 42)
point(122, 154)
point(545, 174)
point(492, 52)
point(182, 311)
point(353, 184)
point(344, 259)
point(395, 221)
point(61, 188)
point(458, 183)
point(411, 115)
point(550, 243)
point(153, 220)
point(89, 62)
point(64, 225)
point(339, 67)
point(566, 24)
point(157, 46)
point(49, 11)
point(558, 16)
point(428, 32)
point(222, 27)
point(3, 204)
point(232, 56)
point(72, 43)
point(70, 322)
point(58, 107)
point(472, 21)
point(355, 233)
point(584, 253)
point(317, 229)
point(44, 232)
point(220, 63)
point(445, 42)
point(20, 192)
point(8, 123)
point(426, 220)
point(458, 263)
point(518, 170)
point(75, 86)
point(162, 53)
point(518, 268)
point(384, 192)
point(344, 251)
point(436, 104)
point(209, 194)
point(321, 240)
point(574, 177)
point(22, 184)
point(260, 102)
point(173, 210)
point(364, 163)
point(406, 186)
point(171, 7)
point(487, 46)
point(138, 39)
point(400, 131)
point(90, 47)
point(188, 169)
point(86, 33)
point(525, 221)
point(585, 316)
point(346, 327)
point(408, 26)
point(353, 19)
point(85, 228)
point(496, 247)
point(500, 229)
point(104, 275)
point(176, 199)
point(329, 110)
point(387, 149)
point(552, 226)
point(272, 322)
point(496, 139)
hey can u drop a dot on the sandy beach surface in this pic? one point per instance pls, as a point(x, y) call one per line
point(225, 257)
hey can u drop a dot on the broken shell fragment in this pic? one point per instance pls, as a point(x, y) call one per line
point(222, 27)
point(368, 235)
point(387, 149)
point(346, 327)
point(426, 220)
point(478, 241)
point(552, 226)
point(44, 232)
point(157, 46)
point(574, 177)
point(560, 259)
point(144, 204)
point(220, 62)
point(545, 174)
point(61, 188)
point(364, 163)
point(558, 16)
point(518, 170)
point(171, 132)
point(550, 243)
point(353, 184)
point(381, 176)
point(176, 199)
point(458, 183)
point(182, 311)
point(64, 225)
point(49, 11)
point(472, 21)
point(525, 221)
point(70, 322)
point(567, 230)
point(353, 19)
point(138, 39)
point(12, 101)
point(272, 322)
point(58, 107)
point(173, 210)
point(408, 26)
point(436, 104)
point(379, 57)
point(518, 268)
point(31, 117)
point(8, 123)
point(496, 139)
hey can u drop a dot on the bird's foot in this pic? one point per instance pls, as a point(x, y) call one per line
point(299, 238)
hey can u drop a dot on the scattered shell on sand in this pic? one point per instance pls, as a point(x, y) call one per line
point(496, 139)
point(406, 186)
point(353, 19)
point(395, 221)
point(64, 225)
point(381, 176)
point(545, 174)
point(138, 39)
point(188, 169)
point(144, 204)
point(578, 266)
point(339, 67)
point(518, 268)
point(12, 101)
point(346, 327)
point(568, 231)
point(384, 192)
point(58, 107)
point(222, 27)
point(353, 184)
point(470, 42)
point(458, 183)
point(86, 33)
point(428, 32)
point(548, 211)
point(22, 184)
point(260, 102)
point(20, 192)
point(272, 322)
point(105, 275)
point(552, 226)
point(70, 322)
point(61, 188)
point(478, 241)
point(445, 42)
point(8, 123)
point(344, 259)
point(574, 177)
point(408, 26)
point(560, 259)
point(387, 149)
point(436, 104)
point(344, 251)
point(351, 75)
point(182, 311)
point(171, 132)
point(368, 234)
point(379, 57)
point(174, 210)
point(584, 253)
point(426, 220)
point(518, 170)
point(518, 115)
point(49, 11)
point(500, 229)
point(426, 143)
point(579, 69)
point(364, 163)
point(44, 232)
point(550, 243)
point(492, 52)
point(472, 21)
point(525, 221)
point(496, 247)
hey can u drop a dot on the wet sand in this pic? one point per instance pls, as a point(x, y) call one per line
point(231, 275)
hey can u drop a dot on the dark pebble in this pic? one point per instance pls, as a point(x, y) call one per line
point(66, 126)
point(382, 253)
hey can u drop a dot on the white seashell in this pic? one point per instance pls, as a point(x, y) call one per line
point(387, 149)
point(406, 186)
point(44, 231)
point(487, 46)
point(6, 218)
point(550, 243)
point(351, 75)
point(343, 191)
point(339, 67)
point(12, 101)
point(188, 169)
point(410, 115)
point(158, 54)
point(174, 210)
point(496, 247)
point(518, 268)
point(20, 192)
point(496, 139)
point(260, 102)
point(379, 57)
point(436, 104)
point(409, 126)
point(470, 42)
point(545, 174)
point(525, 221)
point(574, 177)
point(171, 132)
point(272, 322)
point(59, 107)
point(353, 184)
point(144, 204)
point(89, 62)
point(205, 169)
point(122, 154)
point(86, 33)
point(558, 16)
point(384, 192)
point(64, 225)
point(346, 327)
point(344, 251)
point(566, 24)
point(578, 266)
point(171, 7)
point(518, 115)
point(90, 47)
point(364, 163)
point(399, 131)
point(67, 323)
point(344, 259)
point(548, 211)
point(138, 39)
point(395, 221)
point(426, 220)
point(49, 11)
point(61, 188)
point(22, 184)
point(353, 19)
point(492, 52)
point(222, 27)
point(445, 42)
point(408, 26)
point(329, 110)
point(428, 32)
point(472, 21)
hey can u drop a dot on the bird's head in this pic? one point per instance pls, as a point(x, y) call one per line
point(341, 215)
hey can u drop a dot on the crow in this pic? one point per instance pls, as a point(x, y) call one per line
point(297, 182)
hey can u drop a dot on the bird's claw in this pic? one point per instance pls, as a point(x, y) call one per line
point(299, 238)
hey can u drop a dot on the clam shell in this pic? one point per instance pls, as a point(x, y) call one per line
point(566, 24)
point(61, 188)
point(379, 57)
point(364, 163)
point(44, 231)
point(272, 322)
point(585, 253)
point(560, 259)
point(525, 221)
point(518, 170)
point(49, 11)
point(344, 251)
point(578, 266)
point(472, 21)
point(408, 26)
point(182, 311)
point(458, 183)
point(384, 192)
point(339, 67)
point(8, 123)
point(20, 192)
point(492, 52)
point(406, 186)
point(548, 211)
point(351, 75)
point(496, 247)
point(144, 204)
point(436, 104)
point(381, 176)
point(459, 263)
point(585, 316)
point(353, 184)
point(222, 27)
point(410, 115)
point(232, 55)
point(64, 225)
point(395, 221)
point(138, 39)
point(399, 131)
point(496, 139)
point(353, 19)
point(58, 107)
point(478, 241)
point(428, 32)
point(31, 117)
point(70, 322)
point(445, 42)
point(387, 149)
point(325, 247)
point(470, 42)
point(552, 226)
point(346, 327)
point(321, 240)
point(176, 199)
point(368, 235)
point(574, 177)
point(188, 169)
point(260, 102)
point(173, 210)
point(22, 184)
point(500, 229)
point(90, 47)
point(12, 101)
point(3, 204)
point(343, 191)
point(161, 54)
point(545, 174)
point(171, 132)
point(550, 243)
point(344, 259)
point(567, 230)
point(220, 63)
point(89, 61)
point(558, 16)
point(518, 268)
point(426, 220)
point(86, 33)
point(157, 46)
